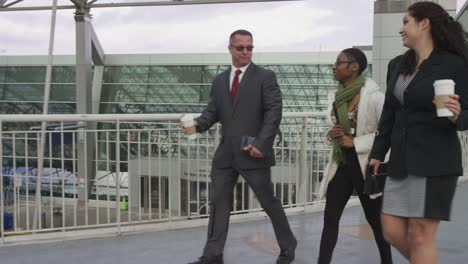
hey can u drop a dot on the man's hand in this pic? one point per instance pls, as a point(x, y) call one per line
point(182, 125)
point(254, 152)
point(347, 141)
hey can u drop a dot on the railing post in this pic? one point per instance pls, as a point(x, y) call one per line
point(217, 136)
point(45, 111)
point(117, 174)
point(303, 175)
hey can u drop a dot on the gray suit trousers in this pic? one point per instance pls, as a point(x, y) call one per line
point(223, 181)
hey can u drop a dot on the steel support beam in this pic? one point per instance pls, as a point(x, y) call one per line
point(3, 3)
point(97, 52)
point(86, 42)
point(140, 4)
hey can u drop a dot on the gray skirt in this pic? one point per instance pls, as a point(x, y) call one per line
point(419, 197)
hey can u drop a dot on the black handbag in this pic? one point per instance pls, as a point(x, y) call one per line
point(374, 184)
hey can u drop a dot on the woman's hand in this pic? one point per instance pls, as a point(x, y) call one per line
point(336, 132)
point(375, 164)
point(347, 141)
point(453, 104)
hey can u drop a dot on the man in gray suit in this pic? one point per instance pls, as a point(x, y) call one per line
point(246, 99)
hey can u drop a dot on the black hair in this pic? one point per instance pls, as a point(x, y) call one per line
point(358, 56)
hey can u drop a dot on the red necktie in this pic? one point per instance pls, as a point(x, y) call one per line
point(235, 85)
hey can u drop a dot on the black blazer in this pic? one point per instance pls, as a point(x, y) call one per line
point(256, 112)
point(421, 143)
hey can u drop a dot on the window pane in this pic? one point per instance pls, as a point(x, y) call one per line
point(126, 74)
point(24, 92)
point(62, 92)
point(63, 74)
point(25, 74)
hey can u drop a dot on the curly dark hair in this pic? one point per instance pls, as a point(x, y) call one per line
point(447, 34)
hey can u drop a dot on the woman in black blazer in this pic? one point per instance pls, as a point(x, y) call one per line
point(425, 159)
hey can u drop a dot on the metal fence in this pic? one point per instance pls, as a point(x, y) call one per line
point(92, 171)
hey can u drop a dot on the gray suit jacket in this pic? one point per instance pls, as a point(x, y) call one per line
point(256, 112)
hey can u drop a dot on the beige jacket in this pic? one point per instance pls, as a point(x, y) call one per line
point(369, 110)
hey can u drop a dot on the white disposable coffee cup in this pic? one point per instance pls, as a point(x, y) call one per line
point(189, 124)
point(442, 89)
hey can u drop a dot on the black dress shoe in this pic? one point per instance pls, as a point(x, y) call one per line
point(209, 260)
point(286, 256)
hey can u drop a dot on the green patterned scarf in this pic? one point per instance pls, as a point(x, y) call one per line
point(342, 98)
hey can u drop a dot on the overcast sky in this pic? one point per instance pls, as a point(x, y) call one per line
point(309, 25)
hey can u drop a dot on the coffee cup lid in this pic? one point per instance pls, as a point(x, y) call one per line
point(445, 81)
point(186, 118)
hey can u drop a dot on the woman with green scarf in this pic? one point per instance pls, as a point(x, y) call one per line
point(354, 112)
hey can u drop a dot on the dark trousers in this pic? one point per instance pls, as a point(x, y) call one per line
point(221, 199)
point(348, 178)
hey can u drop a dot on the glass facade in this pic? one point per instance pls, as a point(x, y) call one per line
point(180, 89)
point(154, 89)
point(22, 90)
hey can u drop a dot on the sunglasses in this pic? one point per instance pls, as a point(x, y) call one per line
point(241, 48)
point(338, 62)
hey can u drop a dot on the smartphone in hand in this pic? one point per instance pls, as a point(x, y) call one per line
point(383, 169)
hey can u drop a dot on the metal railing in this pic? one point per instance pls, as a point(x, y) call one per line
point(123, 170)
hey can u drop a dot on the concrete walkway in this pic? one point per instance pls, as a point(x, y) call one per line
point(248, 243)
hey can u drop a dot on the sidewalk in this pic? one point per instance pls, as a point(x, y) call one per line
point(248, 243)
